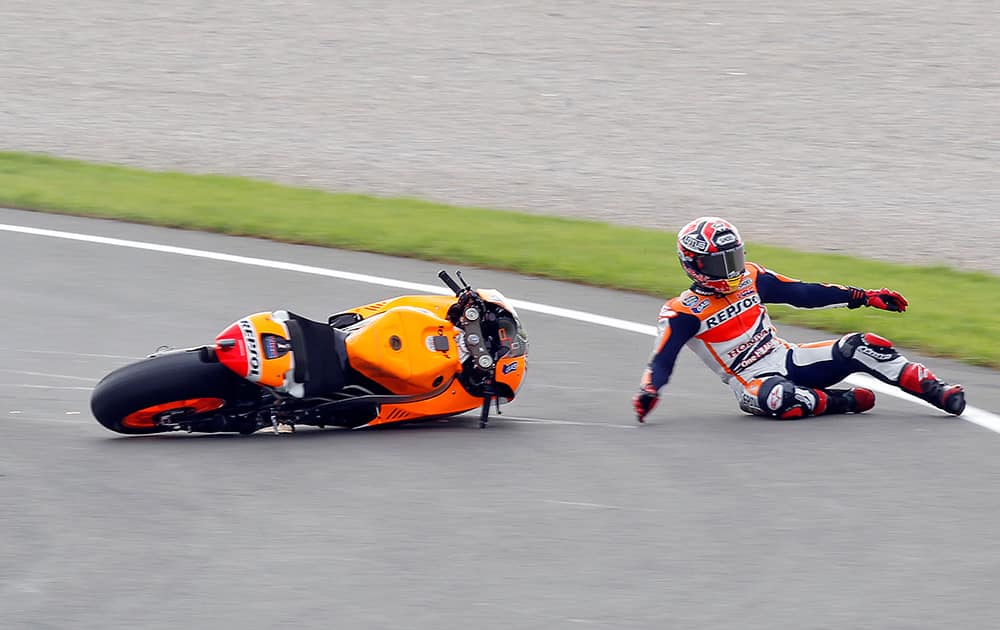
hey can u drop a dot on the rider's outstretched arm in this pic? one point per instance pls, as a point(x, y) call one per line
point(775, 288)
point(676, 329)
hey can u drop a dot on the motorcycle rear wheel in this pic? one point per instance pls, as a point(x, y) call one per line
point(155, 394)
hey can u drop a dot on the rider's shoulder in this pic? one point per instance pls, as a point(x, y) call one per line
point(755, 271)
point(690, 303)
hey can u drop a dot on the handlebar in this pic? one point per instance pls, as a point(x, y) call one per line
point(451, 283)
point(469, 311)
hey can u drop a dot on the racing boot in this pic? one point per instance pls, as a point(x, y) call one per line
point(916, 379)
point(853, 400)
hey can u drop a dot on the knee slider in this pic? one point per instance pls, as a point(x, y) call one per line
point(869, 345)
point(776, 397)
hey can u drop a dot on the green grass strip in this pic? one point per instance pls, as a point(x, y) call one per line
point(952, 314)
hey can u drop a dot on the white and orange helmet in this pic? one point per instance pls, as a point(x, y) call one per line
point(711, 253)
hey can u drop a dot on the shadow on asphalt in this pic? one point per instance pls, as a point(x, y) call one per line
point(470, 423)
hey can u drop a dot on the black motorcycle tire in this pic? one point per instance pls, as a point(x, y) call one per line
point(171, 381)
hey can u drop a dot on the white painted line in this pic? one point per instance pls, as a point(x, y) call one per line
point(972, 414)
point(25, 385)
point(582, 504)
point(47, 418)
point(48, 375)
point(601, 506)
point(576, 388)
point(872, 383)
point(321, 271)
point(523, 420)
point(540, 362)
point(242, 260)
point(583, 316)
point(91, 355)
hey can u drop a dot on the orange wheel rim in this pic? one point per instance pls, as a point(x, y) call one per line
point(146, 418)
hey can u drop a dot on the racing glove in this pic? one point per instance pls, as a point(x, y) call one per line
point(877, 298)
point(644, 401)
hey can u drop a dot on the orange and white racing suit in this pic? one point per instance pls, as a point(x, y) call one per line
point(734, 336)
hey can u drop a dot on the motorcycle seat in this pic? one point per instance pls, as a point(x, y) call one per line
point(320, 355)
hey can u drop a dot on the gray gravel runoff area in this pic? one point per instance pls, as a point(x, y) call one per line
point(858, 126)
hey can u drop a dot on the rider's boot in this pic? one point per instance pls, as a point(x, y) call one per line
point(853, 400)
point(916, 379)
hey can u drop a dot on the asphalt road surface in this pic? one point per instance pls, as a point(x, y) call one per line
point(562, 514)
point(786, 116)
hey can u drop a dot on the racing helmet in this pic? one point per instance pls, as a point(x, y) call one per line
point(711, 253)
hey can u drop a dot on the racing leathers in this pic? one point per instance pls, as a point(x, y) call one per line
point(734, 336)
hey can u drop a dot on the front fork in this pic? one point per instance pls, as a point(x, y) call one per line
point(484, 412)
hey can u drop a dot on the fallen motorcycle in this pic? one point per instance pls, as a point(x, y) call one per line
point(404, 359)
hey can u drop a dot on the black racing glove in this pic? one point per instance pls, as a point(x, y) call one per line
point(877, 298)
point(644, 401)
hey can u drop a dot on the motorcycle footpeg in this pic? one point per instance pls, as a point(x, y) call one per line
point(280, 426)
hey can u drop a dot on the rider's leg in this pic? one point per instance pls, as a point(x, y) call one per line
point(870, 353)
point(827, 362)
point(778, 397)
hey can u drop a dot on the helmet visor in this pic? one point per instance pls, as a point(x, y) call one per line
point(723, 265)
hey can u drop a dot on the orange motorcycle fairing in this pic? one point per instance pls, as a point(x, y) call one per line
point(510, 373)
point(451, 402)
point(259, 349)
point(436, 304)
point(408, 350)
